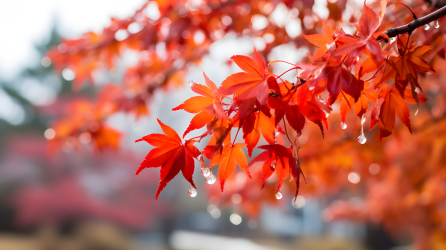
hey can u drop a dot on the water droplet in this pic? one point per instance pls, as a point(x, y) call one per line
point(437, 25)
point(343, 125)
point(205, 172)
point(326, 113)
point(277, 133)
point(273, 165)
point(192, 192)
point(392, 39)
point(426, 27)
point(191, 84)
point(322, 99)
point(211, 179)
point(278, 195)
point(362, 139)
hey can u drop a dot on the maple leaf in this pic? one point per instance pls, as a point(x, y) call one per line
point(355, 46)
point(255, 123)
point(309, 107)
point(361, 105)
point(278, 159)
point(321, 40)
point(389, 102)
point(171, 154)
point(328, 73)
point(252, 83)
point(220, 129)
point(208, 106)
point(285, 106)
point(340, 78)
point(230, 155)
point(106, 137)
point(405, 67)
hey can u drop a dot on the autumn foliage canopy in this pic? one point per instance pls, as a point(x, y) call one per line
point(371, 68)
point(257, 101)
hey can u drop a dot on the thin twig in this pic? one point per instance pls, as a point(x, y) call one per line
point(410, 27)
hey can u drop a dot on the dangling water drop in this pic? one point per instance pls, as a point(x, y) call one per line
point(361, 138)
point(363, 120)
point(278, 195)
point(326, 113)
point(192, 192)
point(426, 27)
point(343, 125)
point(211, 179)
point(205, 172)
point(437, 25)
point(273, 165)
point(392, 39)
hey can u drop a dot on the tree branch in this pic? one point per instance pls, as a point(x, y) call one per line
point(410, 27)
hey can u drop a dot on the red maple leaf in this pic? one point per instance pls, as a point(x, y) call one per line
point(278, 159)
point(365, 42)
point(389, 102)
point(171, 154)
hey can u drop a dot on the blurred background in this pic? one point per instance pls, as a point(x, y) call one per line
point(67, 181)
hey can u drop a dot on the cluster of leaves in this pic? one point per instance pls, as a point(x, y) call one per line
point(354, 71)
point(183, 30)
point(257, 101)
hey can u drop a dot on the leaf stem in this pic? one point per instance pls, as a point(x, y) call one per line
point(296, 67)
point(280, 61)
point(236, 135)
point(413, 14)
point(374, 75)
point(286, 131)
point(407, 43)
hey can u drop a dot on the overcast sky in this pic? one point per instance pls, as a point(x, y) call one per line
point(26, 22)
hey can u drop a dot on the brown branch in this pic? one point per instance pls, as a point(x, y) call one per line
point(410, 27)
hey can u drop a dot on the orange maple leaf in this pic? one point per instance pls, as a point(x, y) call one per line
point(405, 67)
point(361, 105)
point(208, 106)
point(321, 40)
point(255, 123)
point(171, 154)
point(252, 83)
point(227, 160)
point(389, 102)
